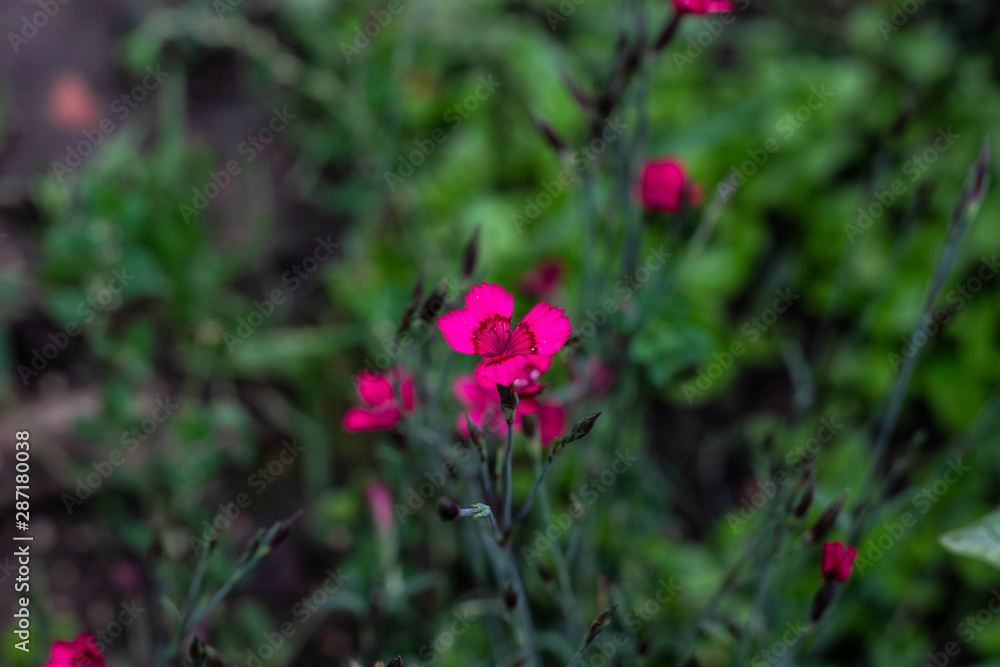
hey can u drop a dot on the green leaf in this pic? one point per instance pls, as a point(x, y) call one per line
point(979, 540)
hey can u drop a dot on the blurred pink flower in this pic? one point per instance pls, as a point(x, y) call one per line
point(72, 106)
point(81, 652)
point(483, 328)
point(551, 422)
point(478, 395)
point(702, 6)
point(543, 282)
point(525, 382)
point(482, 404)
point(382, 411)
point(380, 499)
point(665, 186)
point(837, 561)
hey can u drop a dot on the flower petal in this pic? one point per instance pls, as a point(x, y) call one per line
point(543, 331)
point(502, 369)
point(551, 422)
point(482, 326)
point(488, 301)
point(359, 419)
point(374, 390)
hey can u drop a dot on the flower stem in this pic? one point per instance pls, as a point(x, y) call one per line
point(508, 475)
point(523, 512)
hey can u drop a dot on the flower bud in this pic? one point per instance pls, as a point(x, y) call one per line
point(598, 624)
point(447, 509)
point(469, 255)
point(551, 137)
point(508, 401)
point(396, 662)
point(805, 500)
point(510, 596)
point(822, 600)
point(825, 522)
point(545, 573)
point(435, 303)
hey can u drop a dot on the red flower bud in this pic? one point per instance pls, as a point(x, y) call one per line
point(837, 561)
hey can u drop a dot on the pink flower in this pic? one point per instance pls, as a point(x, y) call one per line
point(543, 282)
point(72, 105)
point(702, 6)
point(482, 404)
point(837, 561)
point(380, 499)
point(551, 422)
point(665, 186)
point(478, 395)
point(483, 328)
point(382, 411)
point(81, 652)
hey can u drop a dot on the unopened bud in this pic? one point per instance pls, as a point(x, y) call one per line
point(584, 100)
point(510, 596)
point(825, 522)
point(395, 662)
point(598, 624)
point(284, 528)
point(508, 401)
point(822, 600)
point(805, 500)
point(447, 509)
point(435, 302)
point(545, 573)
point(551, 137)
point(580, 429)
point(197, 650)
point(469, 255)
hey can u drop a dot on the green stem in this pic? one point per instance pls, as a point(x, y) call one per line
point(508, 475)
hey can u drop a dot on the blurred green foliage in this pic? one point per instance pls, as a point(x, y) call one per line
point(363, 113)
